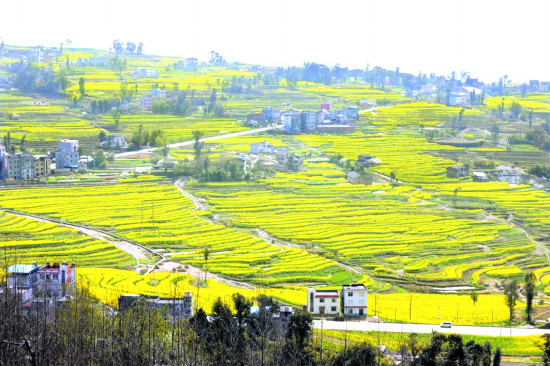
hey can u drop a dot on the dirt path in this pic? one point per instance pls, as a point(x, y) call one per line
point(198, 204)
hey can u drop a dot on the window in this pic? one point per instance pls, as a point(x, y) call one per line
point(350, 311)
point(361, 302)
point(333, 300)
point(350, 294)
point(321, 300)
point(361, 294)
point(55, 277)
point(333, 308)
point(350, 302)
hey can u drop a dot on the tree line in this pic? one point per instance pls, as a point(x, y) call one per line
point(85, 332)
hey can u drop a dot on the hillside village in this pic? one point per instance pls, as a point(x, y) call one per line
point(226, 202)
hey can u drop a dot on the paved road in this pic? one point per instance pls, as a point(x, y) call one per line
point(191, 142)
point(427, 328)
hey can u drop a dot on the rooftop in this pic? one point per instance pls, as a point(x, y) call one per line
point(22, 268)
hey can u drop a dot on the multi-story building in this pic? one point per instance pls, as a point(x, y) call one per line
point(41, 166)
point(544, 86)
point(23, 166)
point(272, 114)
point(291, 121)
point(459, 99)
point(323, 301)
point(146, 102)
point(55, 280)
point(354, 300)
point(67, 155)
point(17, 166)
point(310, 120)
point(189, 64)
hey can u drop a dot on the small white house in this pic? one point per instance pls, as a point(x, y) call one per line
point(354, 300)
point(261, 148)
point(282, 154)
point(459, 99)
point(323, 301)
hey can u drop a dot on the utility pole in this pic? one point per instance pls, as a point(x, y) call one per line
point(141, 216)
point(321, 352)
point(153, 213)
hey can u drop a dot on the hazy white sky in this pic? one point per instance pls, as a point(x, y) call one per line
point(488, 38)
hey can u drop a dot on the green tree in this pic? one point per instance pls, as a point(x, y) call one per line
point(197, 147)
point(219, 110)
point(511, 293)
point(474, 296)
point(102, 136)
point(116, 117)
point(297, 339)
point(523, 89)
point(82, 86)
point(100, 160)
point(497, 357)
point(495, 130)
point(530, 291)
point(22, 143)
point(486, 360)
point(515, 109)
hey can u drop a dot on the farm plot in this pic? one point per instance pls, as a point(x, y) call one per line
point(42, 125)
point(436, 308)
point(108, 284)
point(406, 156)
point(521, 203)
point(160, 217)
point(417, 115)
point(26, 240)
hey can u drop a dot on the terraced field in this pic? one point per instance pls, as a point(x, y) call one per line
point(416, 115)
point(399, 234)
point(26, 240)
point(406, 156)
point(159, 216)
point(43, 125)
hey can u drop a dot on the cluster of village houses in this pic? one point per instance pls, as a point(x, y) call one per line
point(501, 173)
point(324, 120)
point(53, 283)
point(66, 160)
point(20, 166)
